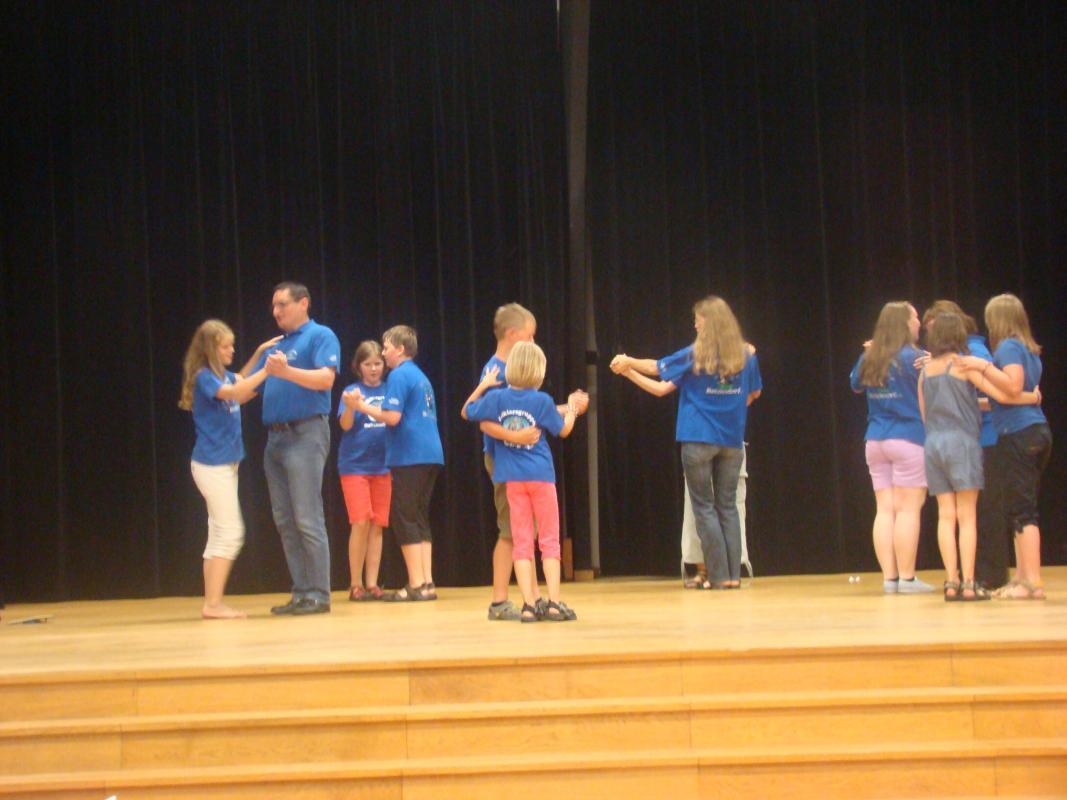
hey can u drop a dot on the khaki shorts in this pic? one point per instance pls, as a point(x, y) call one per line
point(500, 500)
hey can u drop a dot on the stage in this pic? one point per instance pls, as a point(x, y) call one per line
point(794, 687)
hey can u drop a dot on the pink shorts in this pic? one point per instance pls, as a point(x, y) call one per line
point(367, 497)
point(896, 462)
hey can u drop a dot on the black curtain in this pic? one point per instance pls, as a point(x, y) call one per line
point(165, 162)
point(809, 162)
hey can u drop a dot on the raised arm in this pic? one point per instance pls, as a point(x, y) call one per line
point(243, 389)
point(646, 366)
point(488, 381)
point(658, 388)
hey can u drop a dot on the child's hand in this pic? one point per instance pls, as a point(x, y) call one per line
point(276, 363)
point(491, 378)
point(526, 436)
point(269, 344)
point(620, 363)
point(351, 399)
point(972, 363)
point(921, 359)
point(579, 401)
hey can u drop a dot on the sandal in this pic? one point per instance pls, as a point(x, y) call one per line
point(1020, 589)
point(530, 613)
point(407, 594)
point(428, 591)
point(977, 592)
point(696, 582)
point(558, 612)
point(357, 594)
point(952, 591)
point(374, 593)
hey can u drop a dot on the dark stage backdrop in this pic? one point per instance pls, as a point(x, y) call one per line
point(809, 162)
point(165, 162)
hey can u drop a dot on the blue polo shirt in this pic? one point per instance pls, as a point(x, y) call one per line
point(893, 409)
point(516, 409)
point(308, 347)
point(362, 447)
point(488, 442)
point(1009, 418)
point(217, 422)
point(977, 346)
point(415, 440)
point(711, 409)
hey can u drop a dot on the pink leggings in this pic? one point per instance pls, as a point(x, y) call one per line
point(529, 501)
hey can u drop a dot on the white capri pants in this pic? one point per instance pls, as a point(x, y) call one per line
point(691, 550)
point(225, 526)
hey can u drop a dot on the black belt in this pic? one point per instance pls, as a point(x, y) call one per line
point(276, 427)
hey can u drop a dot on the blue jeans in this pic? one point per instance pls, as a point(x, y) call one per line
point(712, 472)
point(294, 460)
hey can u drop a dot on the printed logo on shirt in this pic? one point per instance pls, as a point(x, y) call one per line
point(376, 401)
point(292, 354)
point(333, 359)
point(430, 407)
point(884, 394)
point(515, 419)
point(723, 387)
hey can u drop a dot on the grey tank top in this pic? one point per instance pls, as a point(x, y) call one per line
point(951, 404)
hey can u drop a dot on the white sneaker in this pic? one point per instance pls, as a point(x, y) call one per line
point(890, 587)
point(914, 586)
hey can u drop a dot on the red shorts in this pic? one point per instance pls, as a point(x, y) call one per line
point(367, 498)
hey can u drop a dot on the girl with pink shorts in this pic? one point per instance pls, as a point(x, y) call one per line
point(365, 480)
point(887, 374)
point(528, 472)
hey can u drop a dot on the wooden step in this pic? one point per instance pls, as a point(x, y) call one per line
point(719, 721)
point(943, 769)
point(574, 677)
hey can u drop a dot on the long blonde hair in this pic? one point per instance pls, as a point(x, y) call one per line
point(203, 352)
point(719, 347)
point(891, 333)
point(1005, 318)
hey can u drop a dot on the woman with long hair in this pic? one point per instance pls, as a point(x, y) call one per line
point(716, 377)
point(1024, 440)
point(214, 395)
point(887, 374)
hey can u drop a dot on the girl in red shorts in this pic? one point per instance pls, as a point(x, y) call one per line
point(364, 477)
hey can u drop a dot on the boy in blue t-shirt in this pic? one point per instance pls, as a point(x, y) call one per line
point(528, 472)
point(512, 323)
point(413, 455)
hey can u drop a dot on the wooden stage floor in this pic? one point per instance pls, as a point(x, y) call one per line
point(632, 616)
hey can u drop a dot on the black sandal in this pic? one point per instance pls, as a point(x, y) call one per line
point(977, 592)
point(954, 587)
point(558, 612)
point(405, 595)
point(535, 614)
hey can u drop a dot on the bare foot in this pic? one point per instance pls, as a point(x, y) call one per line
point(221, 611)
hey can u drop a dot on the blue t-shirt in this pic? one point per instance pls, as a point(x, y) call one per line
point(516, 409)
point(1008, 418)
point(362, 448)
point(310, 346)
point(415, 440)
point(893, 409)
point(217, 422)
point(976, 344)
point(488, 442)
point(711, 409)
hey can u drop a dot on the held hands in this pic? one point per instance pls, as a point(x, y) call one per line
point(578, 401)
point(352, 399)
point(620, 364)
point(276, 364)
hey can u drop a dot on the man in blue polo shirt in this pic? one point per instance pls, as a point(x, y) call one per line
point(296, 407)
